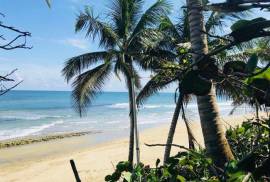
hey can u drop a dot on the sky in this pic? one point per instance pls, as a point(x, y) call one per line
point(53, 40)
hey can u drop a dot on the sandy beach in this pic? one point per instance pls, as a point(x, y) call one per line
point(49, 161)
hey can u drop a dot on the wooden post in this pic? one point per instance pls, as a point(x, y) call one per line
point(74, 169)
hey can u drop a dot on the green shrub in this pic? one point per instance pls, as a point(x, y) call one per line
point(250, 145)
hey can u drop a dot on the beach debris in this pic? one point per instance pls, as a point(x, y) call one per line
point(74, 169)
point(37, 139)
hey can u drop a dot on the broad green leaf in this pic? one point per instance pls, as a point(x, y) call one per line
point(252, 63)
point(127, 176)
point(181, 178)
point(243, 23)
point(239, 24)
point(238, 176)
point(234, 66)
point(246, 30)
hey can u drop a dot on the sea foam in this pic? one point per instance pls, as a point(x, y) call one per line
point(15, 133)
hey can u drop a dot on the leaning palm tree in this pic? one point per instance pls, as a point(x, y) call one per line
point(178, 37)
point(214, 136)
point(122, 38)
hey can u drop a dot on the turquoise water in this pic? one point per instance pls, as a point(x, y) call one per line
point(24, 113)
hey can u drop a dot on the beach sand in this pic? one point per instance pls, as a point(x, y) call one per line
point(49, 161)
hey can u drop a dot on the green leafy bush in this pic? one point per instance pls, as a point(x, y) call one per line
point(250, 145)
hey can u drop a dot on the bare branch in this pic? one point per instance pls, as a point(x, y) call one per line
point(5, 78)
point(216, 36)
point(10, 44)
point(164, 145)
point(7, 90)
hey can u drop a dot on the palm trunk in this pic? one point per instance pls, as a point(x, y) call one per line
point(172, 129)
point(214, 137)
point(133, 123)
point(134, 110)
point(131, 134)
point(191, 138)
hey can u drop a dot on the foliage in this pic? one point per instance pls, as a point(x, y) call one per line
point(193, 84)
point(250, 145)
point(252, 137)
point(243, 32)
point(258, 87)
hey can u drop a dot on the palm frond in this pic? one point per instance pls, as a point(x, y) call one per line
point(124, 15)
point(95, 27)
point(120, 13)
point(137, 79)
point(167, 26)
point(228, 90)
point(153, 59)
point(152, 16)
point(87, 85)
point(215, 19)
point(183, 26)
point(135, 10)
point(147, 39)
point(127, 71)
point(77, 64)
point(160, 81)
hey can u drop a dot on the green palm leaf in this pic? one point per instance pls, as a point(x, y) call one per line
point(166, 25)
point(153, 59)
point(87, 85)
point(160, 81)
point(146, 39)
point(125, 14)
point(152, 16)
point(77, 64)
point(94, 27)
point(127, 71)
point(214, 20)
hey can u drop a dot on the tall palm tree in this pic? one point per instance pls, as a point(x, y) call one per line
point(177, 35)
point(214, 136)
point(122, 37)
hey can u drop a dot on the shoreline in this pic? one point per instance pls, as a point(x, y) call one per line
point(94, 161)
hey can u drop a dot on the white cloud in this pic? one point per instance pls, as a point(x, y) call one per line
point(78, 43)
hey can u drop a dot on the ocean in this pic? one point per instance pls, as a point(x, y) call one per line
point(25, 113)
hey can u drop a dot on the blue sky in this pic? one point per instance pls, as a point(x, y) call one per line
point(53, 40)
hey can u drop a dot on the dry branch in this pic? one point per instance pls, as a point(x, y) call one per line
point(18, 42)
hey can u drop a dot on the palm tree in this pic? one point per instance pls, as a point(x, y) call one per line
point(122, 38)
point(178, 35)
point(214, 137)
